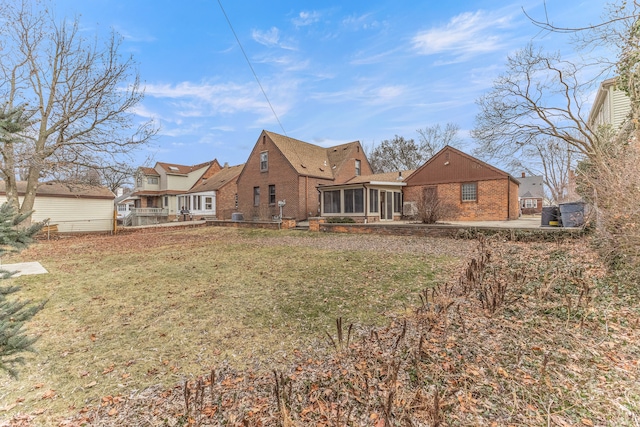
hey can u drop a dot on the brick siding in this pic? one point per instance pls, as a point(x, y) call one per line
point(226, 201)
point(299, 191)
point(494, 199)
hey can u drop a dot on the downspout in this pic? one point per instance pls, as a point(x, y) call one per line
point(509, 199)
point(306, 196)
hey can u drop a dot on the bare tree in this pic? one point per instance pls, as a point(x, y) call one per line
point(76, 94)
point(608, 174)
point(434, 138)
point(396, 154)
point(403, 154)
point(539, 96)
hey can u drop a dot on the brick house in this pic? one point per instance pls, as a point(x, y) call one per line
point(530, 194)
point(471, 189)
point(213, 196)
point(281, 168)
point(365, 198)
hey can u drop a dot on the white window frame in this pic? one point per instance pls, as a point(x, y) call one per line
point(264, 161)
point(466, 193)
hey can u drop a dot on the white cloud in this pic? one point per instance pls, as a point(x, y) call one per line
point(267, 38)
point(464, 36)
point(366, 93)
point(306, 18)
point(190, 100)
point(362, 22)
point(285, 62)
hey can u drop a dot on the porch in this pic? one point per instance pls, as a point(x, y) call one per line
point(146, 216)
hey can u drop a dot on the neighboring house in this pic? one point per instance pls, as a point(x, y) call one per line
point(470, 189)
point(531, 194)
point(74, 208)
point(124, 205)
point(611, 107)
point(157, 189)
point(283, 169)
point(365, 198)
point(215, 196)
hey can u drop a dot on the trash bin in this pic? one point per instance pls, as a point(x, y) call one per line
point(548, 215)
point(572, 214)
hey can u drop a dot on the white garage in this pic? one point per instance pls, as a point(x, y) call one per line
point(74, 208)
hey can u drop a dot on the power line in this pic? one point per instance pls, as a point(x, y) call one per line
point(252, 70)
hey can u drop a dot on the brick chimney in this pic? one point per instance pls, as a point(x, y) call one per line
point(523, 174)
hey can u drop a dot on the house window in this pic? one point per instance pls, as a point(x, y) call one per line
point(469, 192)
point(256, 196)
point(184, 202)
point(166, 201)
point(272, 194)
point(236, 200)
point(139, 180)
point(530, 203)
point(358, 168)
point(373, 200)
point(196, 203)
point(397, 202)
point(332, 201)
point(208, 203)
point(264, 161)
point(354, 200)
point(152, 180)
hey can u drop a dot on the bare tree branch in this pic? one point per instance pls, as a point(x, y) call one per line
point(78, 95)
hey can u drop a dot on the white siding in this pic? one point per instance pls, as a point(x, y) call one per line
point(73, 215)
point(621, 106)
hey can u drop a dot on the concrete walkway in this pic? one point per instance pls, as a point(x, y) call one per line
point(24, 268)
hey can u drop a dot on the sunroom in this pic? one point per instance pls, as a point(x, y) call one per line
point(369, 198)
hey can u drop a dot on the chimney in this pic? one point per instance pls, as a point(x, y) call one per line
point(226, 164)
point(523, 174)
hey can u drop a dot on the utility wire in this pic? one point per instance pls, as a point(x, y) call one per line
point(252, 70)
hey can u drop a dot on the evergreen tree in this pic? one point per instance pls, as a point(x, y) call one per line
point(14, 313)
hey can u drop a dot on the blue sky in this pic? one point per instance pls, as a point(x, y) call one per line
point(334, 71)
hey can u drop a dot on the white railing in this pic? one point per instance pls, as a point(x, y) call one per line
point(149, 212)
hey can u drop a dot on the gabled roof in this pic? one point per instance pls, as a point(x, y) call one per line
point(531, 186)
point(312, 160)
point(63, 189)
point(439, 169)
point(148, 171)
point(175, 169)
point(217, 181)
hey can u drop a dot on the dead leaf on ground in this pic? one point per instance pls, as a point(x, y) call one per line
point(49, 394)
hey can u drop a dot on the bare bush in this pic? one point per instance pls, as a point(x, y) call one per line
point(610, 180)
point(430, 208)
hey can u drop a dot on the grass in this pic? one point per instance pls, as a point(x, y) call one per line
point(131, 311)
